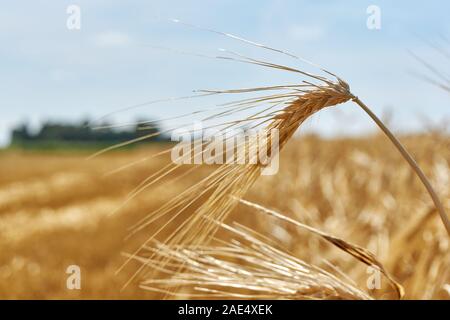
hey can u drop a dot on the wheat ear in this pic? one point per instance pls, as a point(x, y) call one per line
point(248, 266)
point(361, 254)
point(231, 182)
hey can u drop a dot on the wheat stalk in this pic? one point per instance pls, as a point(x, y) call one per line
point(231, 182)
point(228, 183)
point(405, 154)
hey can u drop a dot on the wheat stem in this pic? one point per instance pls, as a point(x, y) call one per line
point(411, 161)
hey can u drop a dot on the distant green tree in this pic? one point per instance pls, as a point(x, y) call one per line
point(82, 133)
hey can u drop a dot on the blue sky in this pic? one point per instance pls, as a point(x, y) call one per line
point(50, 72)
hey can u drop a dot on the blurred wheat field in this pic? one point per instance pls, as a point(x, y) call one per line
point(56, 210)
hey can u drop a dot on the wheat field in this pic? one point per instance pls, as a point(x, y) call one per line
point(58, 209)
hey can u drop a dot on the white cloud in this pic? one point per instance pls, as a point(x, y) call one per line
point(112, 39)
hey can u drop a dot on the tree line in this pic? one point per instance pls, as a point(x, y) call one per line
point(58, 132)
